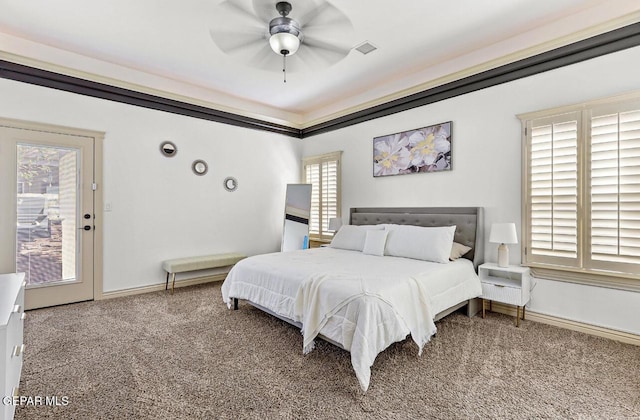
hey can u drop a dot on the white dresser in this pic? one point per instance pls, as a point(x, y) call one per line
point(11, 344)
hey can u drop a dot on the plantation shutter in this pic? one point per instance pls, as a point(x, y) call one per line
point(615, 189)
point(313, 178)
point(581, 192)
point(323, 173)
point(329, 193)
point(553, 190)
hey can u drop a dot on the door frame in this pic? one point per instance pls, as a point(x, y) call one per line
point(98, 140)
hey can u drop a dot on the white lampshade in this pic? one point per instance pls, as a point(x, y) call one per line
point(335, 223)
point(503, 233)
point(284, 41)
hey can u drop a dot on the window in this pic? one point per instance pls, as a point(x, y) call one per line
point(581, 192)
point(323, 173)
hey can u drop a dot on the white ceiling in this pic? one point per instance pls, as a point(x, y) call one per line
point(162, 46)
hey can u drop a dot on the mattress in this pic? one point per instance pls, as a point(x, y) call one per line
point(274, 281)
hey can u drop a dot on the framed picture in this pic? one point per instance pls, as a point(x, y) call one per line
point(426, 149)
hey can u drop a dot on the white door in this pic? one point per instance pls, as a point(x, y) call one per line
point(47, 206)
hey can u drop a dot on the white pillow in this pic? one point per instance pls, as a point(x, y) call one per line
point(374, 242)
point(458, 250)
point(420, 243)
point(352, 237)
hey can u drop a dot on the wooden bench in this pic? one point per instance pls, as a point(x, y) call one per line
point(203, 262)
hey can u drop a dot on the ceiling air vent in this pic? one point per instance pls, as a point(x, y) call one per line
point(366, 47)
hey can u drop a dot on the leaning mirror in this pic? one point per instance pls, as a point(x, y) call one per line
point(230, 184)
point(199, 167)
point(168, 149)
point(297, 210)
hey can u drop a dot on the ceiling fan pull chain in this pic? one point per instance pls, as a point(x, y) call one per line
point(284, 67)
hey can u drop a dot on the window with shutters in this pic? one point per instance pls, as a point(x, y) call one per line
point(323, 173)
point(581, 192)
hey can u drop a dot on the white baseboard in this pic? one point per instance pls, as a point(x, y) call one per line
point(621, 336)
point(159, 287)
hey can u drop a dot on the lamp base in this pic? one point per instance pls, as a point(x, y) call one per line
point(503, 256)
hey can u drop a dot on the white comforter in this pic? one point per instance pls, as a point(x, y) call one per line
point(363, 302)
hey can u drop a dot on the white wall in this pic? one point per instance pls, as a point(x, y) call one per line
point(486, 160)
point(160, 209)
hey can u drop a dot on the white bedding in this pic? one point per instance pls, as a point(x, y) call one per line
point(383, 300)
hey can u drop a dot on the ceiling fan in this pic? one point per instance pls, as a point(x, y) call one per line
point(263, 32)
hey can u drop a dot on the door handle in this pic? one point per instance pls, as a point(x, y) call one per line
point(86, 227)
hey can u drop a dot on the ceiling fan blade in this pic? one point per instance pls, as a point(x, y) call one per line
point(269, 61)
point(264, 58)
point(265, 9)
point(236, 42)
point(314, 59)
point(325, 14)
point(249, 40)
point(331, 53)
point(234, 10)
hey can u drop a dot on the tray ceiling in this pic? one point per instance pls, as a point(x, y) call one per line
point(166, 48)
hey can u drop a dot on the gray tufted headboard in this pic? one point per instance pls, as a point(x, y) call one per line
point(469, 223)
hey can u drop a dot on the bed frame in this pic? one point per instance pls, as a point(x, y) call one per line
point(469, 222)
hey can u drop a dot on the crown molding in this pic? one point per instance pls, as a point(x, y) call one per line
point(502, 60)
point(460, 83)
point(595, 46)
point(158, 100)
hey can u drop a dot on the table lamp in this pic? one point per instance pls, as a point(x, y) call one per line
point(335, 223)
point(503, 234)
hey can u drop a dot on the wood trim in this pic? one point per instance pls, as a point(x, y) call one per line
point(98, 212)
point(611, 101)
point(32, 75)
point(608, 42)
point(568, 324)
point(262, 112)
point(160, 287)
point(49, 128)
point(620, 281)
point(628, 19)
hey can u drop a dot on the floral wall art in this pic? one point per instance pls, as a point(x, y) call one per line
point(426, 149)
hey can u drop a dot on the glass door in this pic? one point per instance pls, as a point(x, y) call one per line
point(47, 210)
point(52, 214)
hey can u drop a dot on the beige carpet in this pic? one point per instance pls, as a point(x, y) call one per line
point(158, 356)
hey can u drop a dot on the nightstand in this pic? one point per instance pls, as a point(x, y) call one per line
point(510, 285)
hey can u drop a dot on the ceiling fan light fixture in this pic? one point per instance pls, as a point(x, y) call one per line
point(285, 32)
point(284, 43)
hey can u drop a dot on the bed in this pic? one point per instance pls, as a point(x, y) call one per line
point(350, 295)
